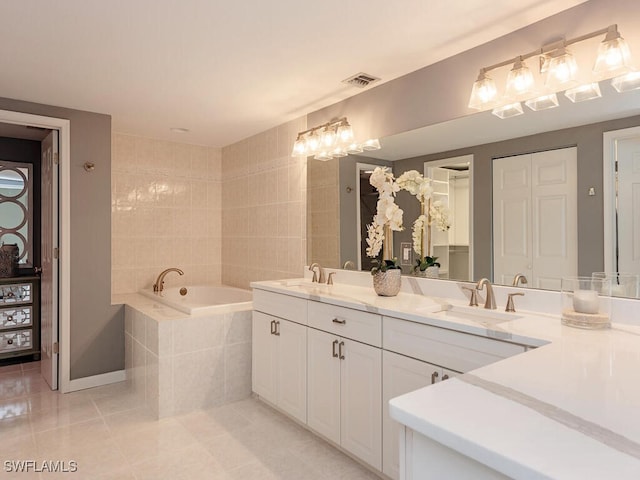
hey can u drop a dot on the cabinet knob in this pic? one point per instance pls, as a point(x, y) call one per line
point(10, 341)
point(434, 377)
point(333, 350)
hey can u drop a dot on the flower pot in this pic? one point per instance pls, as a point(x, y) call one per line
point(432, 272)
point(387, 284)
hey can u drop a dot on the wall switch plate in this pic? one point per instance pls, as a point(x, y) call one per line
point(592, 191)
point(406, 251)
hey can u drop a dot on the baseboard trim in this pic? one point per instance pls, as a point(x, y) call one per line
point(97, 380)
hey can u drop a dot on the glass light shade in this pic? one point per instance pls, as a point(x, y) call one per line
point(613, 56)
point(354, 148)
point(345, 133)
point(627, 82)
point(323, 156)
point(507, 111)
point(299, 148)
point(561, 71)
point(313, 143)
point(371, 144)
point(328, 137)
point(483, 93)
point(520, 81)
point(583, 93)
point(543, 102)
point(338, 152)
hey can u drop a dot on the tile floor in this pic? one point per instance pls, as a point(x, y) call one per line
point(110, 436)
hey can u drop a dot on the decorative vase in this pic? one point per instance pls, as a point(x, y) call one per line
point(432, 272)
point(387, 284)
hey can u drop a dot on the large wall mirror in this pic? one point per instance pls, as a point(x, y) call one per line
point(565, 143)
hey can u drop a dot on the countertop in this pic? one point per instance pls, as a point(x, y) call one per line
point(567, 409)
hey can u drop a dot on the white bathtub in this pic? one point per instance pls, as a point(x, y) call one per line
point(201, 299)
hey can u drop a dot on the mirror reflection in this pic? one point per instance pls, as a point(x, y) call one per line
point(527, 204)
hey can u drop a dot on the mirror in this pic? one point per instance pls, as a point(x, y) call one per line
point(333, 231)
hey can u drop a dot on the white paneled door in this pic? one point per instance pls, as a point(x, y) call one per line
point(49, 276)
point(535, 229)
point(628, 157)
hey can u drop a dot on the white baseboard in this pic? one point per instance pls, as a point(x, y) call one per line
point(97, 380)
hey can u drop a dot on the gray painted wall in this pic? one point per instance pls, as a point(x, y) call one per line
point(97, 328)
point(589, 141)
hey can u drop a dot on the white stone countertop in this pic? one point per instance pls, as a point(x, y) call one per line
point(569, 409)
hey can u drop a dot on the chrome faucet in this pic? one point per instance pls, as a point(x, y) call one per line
point(159, 285)
point(319, 277)
point(490, 302)
point(349, 265)
point(519, 278)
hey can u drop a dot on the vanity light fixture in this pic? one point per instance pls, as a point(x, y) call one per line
point(333, 139)
point(560, 71)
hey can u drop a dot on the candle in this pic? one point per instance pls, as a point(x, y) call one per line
point(585, 301)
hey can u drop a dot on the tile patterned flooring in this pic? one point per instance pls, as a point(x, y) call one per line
point(111, 436)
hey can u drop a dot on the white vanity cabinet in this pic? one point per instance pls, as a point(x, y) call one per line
point(279, 360)
point(345, 379)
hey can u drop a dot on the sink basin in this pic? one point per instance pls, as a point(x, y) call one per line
point(479, 314)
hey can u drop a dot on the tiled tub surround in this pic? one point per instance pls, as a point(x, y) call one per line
point(566, 409)
point(165, 212)
point(178, 363)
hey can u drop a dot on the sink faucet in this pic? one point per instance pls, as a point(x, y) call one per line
point(159, 285)
point(519, 278)
point(490, 302)
point(349, 265)
point(319, 277)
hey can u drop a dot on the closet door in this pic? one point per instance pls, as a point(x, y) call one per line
point(511, 218)
point(554, 216)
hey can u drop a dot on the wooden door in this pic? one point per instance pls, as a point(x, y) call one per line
point(49, 254)
point(361, 401)
point(323, 384)
point(292, 369)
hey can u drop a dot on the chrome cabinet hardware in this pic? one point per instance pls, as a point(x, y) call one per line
point(510, 306)
point(339, 321)
point(333, 351)
point(340, 352)
point(434, 377)
point(473, 300)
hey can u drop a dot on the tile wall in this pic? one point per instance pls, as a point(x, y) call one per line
point(165, 212)
point(263, 207)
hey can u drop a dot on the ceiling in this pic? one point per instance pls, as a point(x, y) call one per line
point(227, 70)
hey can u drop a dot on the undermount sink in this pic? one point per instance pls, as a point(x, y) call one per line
point(479, 314)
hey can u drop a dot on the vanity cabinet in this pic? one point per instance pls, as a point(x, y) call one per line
point(279, 360)
point(344, 393)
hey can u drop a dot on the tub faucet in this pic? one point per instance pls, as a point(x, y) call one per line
point(319, 277)
point(490, 302)
point(159, 285)
point(519, 278)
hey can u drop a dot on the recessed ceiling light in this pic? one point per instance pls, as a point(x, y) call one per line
point(179, 130)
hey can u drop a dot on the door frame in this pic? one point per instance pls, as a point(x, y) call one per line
point(64, 228)
point(609, 192)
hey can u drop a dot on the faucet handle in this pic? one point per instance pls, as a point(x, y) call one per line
point(315, 277)
point(510, 306)
point(330, 278)
point(473, 300)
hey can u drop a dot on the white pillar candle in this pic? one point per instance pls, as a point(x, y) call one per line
point(585, 301)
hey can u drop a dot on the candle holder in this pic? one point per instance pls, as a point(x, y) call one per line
point(622, 284)
point(586, 302)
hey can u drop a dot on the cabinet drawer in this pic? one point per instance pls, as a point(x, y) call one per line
point(455, 350)
point(16, 317)
point(16, 340)
point(361, 326)
point(15, 294)
point(279, 305)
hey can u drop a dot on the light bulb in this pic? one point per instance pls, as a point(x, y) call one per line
point(299, 148)
point(613, 56)
point(519, 81)
point(561, 71)
point(483, 93)
point(313, 143)
point(328, 137)
point(345, 133)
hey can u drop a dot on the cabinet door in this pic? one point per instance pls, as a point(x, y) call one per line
point(264, 358)
point(400, 375)
point(361, 401)
point(323, 392)
point(292, 369)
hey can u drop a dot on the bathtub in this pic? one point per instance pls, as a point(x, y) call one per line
point(203, 299)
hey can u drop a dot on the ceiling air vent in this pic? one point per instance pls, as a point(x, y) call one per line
point(361, 80)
